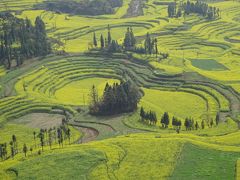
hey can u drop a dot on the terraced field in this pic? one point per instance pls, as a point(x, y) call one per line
point(199, 79)
point(51, 83)
point(185, 39)
point(44, 88)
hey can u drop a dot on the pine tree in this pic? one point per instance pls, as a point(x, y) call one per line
point(148, 44)
point(102, 41)
point(156, 47)
point(60, 136)
point(132, 38)
point(196, 125)
point(68, 133)
point(166, 117)
point(127, 40)
point(203, 124)
point(217, 118)
point(12, 149)
point(3, 151)
point(25, 149)
point(142, 113)
point(186, 123)
point(34, 137)
point(50, 138)
point(165, 120)
point(41, 136)
point(94, 39)
point(15, 146)
point(42, 46)
point(94, 96)
point(109, 40)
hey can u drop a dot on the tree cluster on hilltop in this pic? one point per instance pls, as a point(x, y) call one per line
point(107, 44)
point(117, 98)
point(197, 7)
point(19, 39)
point(110, 45)
point(87, 7)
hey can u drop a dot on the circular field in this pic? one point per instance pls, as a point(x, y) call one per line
point(179, 104)
point(77, 93)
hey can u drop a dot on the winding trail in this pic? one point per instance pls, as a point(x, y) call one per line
point(92, 130)
point(89, 133)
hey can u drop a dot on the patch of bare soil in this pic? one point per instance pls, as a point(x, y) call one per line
point(40, 120)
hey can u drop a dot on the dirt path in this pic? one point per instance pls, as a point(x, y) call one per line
point(108, 127)
point(89, 134)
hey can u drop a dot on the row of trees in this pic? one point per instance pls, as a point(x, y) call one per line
point(108, 43)
point(189, 123)
point(53, 135)
point(19, 39)
point(197, 7)
point(45, 136)
point(150, 44)
point(117, 98)
point(13, 148)
point(149, 117)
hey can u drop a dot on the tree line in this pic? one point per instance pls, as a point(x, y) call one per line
point(197, 7)
point(117, 98)
point(51, 136)
point(107, 44)
point(20, 40)
point(87, 7)
point(150, 118)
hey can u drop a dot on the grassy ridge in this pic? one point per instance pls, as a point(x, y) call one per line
point(130, 154)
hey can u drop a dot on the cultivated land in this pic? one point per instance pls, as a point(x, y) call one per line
point(199, 79)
